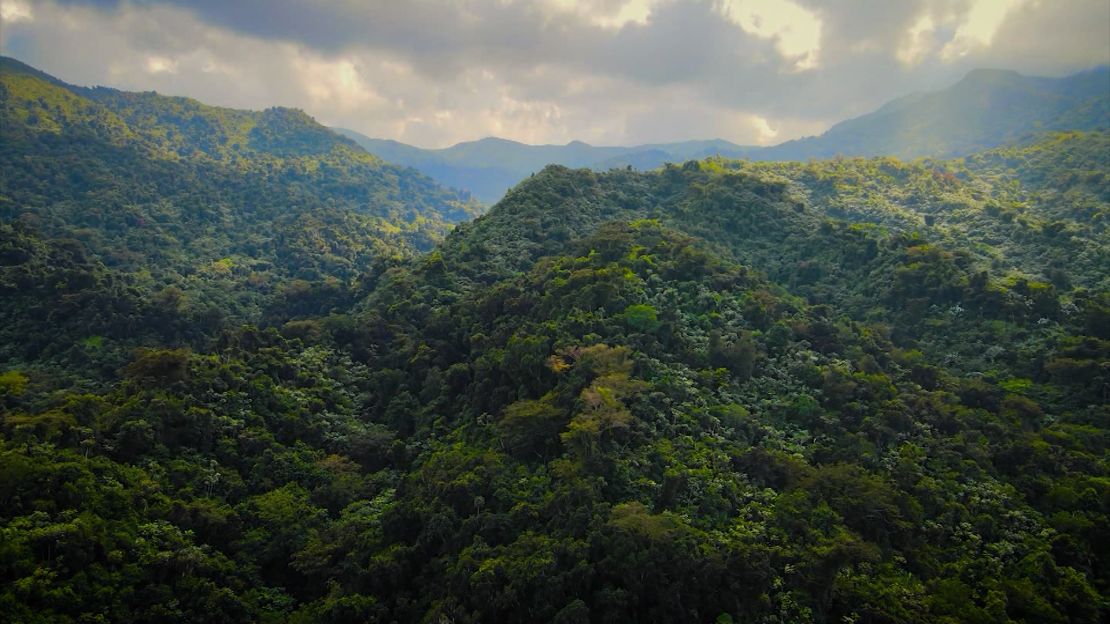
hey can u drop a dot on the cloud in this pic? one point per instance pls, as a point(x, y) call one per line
point(796, 31)
point(1040, 37)
point(763, 127)
point(12, 11)
point(978, 26)
point(434, 72)
point(918, 42)
point(609, 14)
point(161, 65)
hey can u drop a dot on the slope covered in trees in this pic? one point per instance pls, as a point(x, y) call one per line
point(850, 390)
point(133, 217)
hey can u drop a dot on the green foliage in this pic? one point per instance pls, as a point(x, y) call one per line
point(149, 220)
point(530, 427)
point(641, 317)
point(12, 384)
point(726, 391)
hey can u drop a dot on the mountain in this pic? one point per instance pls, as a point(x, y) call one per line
point(182, 218)
point(852, 390)
point(489, 167)
point(250, 372)
point(987, 108)
point(742, 391)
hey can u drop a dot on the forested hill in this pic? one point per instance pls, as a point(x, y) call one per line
point(986, 109)
point(1034, 212)
point(133, 218)
point(887, 413)
point(854, 390)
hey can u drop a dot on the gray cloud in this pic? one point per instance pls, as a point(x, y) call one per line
point(434, 72)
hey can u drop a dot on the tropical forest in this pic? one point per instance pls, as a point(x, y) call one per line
point(252, 370)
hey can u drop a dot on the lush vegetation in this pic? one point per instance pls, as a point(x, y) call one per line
point(133, 219)
point(856, 390)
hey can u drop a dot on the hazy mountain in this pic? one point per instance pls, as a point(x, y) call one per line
point(489, 167)
point(985, 109)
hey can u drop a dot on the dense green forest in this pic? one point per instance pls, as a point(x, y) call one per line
point(249, 372)
point(133, 218)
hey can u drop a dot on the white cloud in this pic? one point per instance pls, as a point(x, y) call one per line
point(334, 84)
point(609, 14)
point(12, 11)
point(161, 65)
point(766, 133)
point(434, 72)
point(918, 42)
point(796, 31)
point(979, 26)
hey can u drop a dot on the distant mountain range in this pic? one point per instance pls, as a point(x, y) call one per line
point(489, 167)
point(985, 109)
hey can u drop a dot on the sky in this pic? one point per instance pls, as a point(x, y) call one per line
point(608, 72)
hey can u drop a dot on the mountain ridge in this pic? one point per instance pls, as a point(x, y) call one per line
point(489, 166)
point(1080, 101)
point(201, 216)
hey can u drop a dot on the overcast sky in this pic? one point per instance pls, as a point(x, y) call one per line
point(436, 72)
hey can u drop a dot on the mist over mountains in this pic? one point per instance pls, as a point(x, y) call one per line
point(985, 109)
